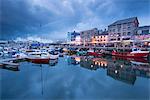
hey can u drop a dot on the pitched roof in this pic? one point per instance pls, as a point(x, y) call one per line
point(124, 21)
point(93, 29)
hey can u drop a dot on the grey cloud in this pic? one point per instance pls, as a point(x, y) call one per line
point(20, 18)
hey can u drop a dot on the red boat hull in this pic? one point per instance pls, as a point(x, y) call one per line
point(130, 55)
point(143, 60)
point(40, 61)
point(94, 54)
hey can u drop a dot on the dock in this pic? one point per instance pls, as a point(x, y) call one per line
point(97, 47)
point(10, 62)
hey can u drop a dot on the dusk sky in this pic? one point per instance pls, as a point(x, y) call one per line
point(23, 18)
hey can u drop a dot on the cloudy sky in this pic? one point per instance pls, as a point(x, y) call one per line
point(52, 19)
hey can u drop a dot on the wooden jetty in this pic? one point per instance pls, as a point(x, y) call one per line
point(10, 62)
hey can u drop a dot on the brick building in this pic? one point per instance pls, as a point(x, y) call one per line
point(122, 30)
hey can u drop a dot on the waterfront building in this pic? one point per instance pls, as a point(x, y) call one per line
point(86, 36)
point(73, 38)
point(122, 31)
point(101, 38)
point(143, 35)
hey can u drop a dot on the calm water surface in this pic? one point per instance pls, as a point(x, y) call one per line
point(78, 78)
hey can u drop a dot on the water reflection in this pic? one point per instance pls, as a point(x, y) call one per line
point(53, 62)
point(10, 68)
point(121, 69)
point(78, 77)
point(74, 60)
point(16, 68)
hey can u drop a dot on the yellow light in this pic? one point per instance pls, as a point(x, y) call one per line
point(121, 66)
point(77, 59)
point(116, 71)
point(95, 63)
point(99, 64)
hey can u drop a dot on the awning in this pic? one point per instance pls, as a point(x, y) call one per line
point(114, 41)
point(127, 41)
point(146, 40)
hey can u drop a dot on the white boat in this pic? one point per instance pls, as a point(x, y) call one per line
point(39, 57)
point(53, 57)
point(1, 54)
point(20, 55)
point(5, 52)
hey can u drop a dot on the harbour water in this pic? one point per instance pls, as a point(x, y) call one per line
point(75, 77)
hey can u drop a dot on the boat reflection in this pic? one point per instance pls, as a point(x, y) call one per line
point(10, 68)
point(125, 70)
point(53, 62)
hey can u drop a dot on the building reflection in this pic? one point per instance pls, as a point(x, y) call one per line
point(141, 69)
point(73, 60)
point(88, 63)
point(93, 63)
point(121, 69)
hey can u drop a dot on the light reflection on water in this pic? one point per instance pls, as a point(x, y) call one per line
point(77, 77)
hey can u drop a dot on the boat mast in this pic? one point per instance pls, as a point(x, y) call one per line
point(41, 80)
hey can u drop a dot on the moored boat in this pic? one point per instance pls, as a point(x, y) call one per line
point(39, 57)
point(93, 53)
point(54, 55)
point(72, 51)
point(82, 53)
point(19, 55)
point(1, 54)
point(135, 53)
point(61, 54)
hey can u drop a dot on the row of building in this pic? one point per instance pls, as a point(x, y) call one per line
point(120, 33)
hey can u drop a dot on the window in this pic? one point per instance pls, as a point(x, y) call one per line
point(119, 27)
point(113, 30)
point(124, 33)
point(126, 39)
point(129, 33)
point(129, 24)
point(124, 26)
point(145, 31)
point(112, 39)
point(119, 34)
